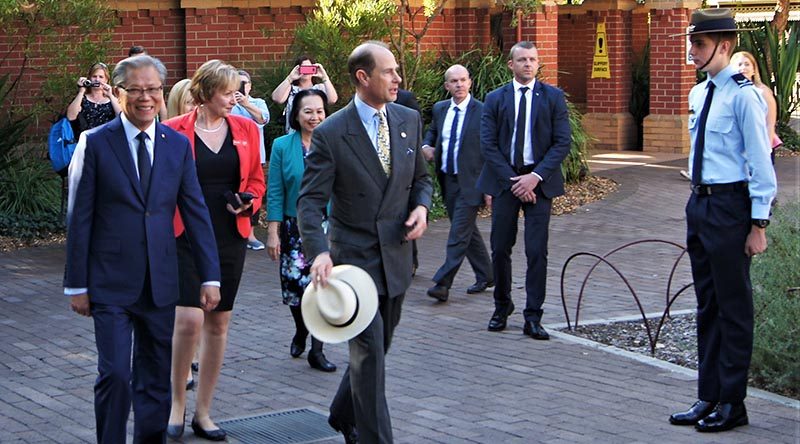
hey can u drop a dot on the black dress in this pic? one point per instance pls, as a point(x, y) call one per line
point(217, 173)
point(92, 115)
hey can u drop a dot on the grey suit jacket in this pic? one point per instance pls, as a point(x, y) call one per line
point(470, 157)
point(368, 209)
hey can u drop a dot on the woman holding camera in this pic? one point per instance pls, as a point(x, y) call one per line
point(301, 78)
point(286, 166)
point(230, 175)
point(94, 104)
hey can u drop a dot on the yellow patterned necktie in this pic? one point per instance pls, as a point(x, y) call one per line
point(383, 143)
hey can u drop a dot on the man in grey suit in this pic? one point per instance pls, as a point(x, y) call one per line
point(365, 160)
point(455, 134)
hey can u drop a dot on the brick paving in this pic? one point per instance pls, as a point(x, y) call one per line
point(449, 380)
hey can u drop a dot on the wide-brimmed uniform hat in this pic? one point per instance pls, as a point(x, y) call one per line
point(342, 309)
point(706, 21)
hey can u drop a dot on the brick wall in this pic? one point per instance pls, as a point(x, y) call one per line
point(575, 57)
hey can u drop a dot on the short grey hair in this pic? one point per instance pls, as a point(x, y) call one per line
point(120, 75)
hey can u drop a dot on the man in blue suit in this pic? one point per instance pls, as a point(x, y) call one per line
point(525, 135)
point(455, 134)
point(126, 179)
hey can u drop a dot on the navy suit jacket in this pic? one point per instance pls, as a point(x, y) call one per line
point(470, 157)
point(115, 236)
point(550, 131)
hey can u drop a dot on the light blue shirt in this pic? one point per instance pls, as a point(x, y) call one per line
point(447, 127)
point(239, 110)
point(368, 118)
point(736, 145)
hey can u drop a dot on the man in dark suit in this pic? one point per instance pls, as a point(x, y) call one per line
point(126, 179)
point(365, 160)
point(455, 134)
point(525, 135)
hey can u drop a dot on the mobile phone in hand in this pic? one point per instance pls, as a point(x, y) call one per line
point(230, 197)
point(246, 197)
point(308, 69)
point(241, 88)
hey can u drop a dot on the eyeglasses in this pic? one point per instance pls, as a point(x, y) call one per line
point(134, 93)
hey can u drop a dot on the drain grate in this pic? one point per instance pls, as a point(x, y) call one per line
point(285, 427)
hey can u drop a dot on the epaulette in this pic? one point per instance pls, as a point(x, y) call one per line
point(741, 80)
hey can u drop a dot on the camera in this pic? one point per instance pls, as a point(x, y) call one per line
point(90, 84)
point(308, 69)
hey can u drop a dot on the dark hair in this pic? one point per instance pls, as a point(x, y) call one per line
point(524, 44)
point(300, 59)
point(136, 50)
point(363, 58)
point(246, 74)
point(293, 123)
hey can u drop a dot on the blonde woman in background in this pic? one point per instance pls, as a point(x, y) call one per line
point(180, 99)
point(748, 67)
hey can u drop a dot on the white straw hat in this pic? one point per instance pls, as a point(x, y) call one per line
point(342, 309)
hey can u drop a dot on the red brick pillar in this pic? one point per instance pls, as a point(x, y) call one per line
point(607, 100)
point(671, 78)
point(541, 28)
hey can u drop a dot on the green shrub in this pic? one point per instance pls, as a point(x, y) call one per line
point(30, 189)
point(776, 298)
point(790, 138)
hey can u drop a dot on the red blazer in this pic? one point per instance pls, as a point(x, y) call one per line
point(247, 142)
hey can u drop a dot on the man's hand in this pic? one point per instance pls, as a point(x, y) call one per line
point(209, 297)
point(417, 222)
point(523, 187)
point(428, 152)
point(321, 269)
point(80, 304)
point(756, 242)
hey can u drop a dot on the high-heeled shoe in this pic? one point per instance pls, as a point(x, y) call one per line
point(211, 435)
point(319, 362)
point(174, 431)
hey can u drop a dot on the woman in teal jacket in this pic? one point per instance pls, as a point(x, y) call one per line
point(286, 166)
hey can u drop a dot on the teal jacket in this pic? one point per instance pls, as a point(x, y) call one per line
point(286, 166)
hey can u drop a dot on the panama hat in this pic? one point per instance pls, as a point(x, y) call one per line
point(342, 309)
point(705, 21)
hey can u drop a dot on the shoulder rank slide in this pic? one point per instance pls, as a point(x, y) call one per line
point(741, 80)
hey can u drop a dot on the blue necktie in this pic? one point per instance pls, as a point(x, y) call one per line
point(143, 158)
point(700, 141)
point(451, 147)
point(519, 141)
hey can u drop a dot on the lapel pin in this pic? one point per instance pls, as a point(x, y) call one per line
point(163, 136)
point(403, 134)
point(409, 151)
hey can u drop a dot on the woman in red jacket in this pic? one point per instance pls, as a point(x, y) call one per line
point(226, 151)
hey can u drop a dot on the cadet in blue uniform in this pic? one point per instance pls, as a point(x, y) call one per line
point(733, 184)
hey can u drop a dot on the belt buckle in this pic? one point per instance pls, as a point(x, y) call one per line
point(701, 190)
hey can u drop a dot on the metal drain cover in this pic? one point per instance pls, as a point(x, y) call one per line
point(284, 427)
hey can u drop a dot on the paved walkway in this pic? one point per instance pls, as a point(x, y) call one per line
point(449, 380)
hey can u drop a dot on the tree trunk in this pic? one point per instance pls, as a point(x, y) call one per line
point(781, 18)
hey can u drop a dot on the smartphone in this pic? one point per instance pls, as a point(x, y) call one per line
point(246, 197)
point(308, 69)
point(230, 196)
point(241, 88)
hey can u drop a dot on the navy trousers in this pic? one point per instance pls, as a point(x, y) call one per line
point(505, 212)
point(148, 330)
point(717, 228)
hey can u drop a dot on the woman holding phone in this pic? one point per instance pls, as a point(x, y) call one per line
point(225, 148)
point(300, 78)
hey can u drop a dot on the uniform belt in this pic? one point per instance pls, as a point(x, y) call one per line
point(707, 190)
point(527, 169)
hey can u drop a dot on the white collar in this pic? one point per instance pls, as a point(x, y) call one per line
point(132, 131)
point(463, 105)
point(518, 85)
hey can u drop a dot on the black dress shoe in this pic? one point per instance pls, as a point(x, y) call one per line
point(439, 292)
point(319, 362)
point(297, 347)
point(211, 435)
point(696, 412)
point(535, 330)
point(347, 430)
point(725, 417)
point(175, 431)
point(479, 287)
point(498, 321)
point(190, 384)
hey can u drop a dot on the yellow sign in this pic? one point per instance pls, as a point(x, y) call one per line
point(600, 66)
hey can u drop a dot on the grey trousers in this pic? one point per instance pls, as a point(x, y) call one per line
point(361, 398)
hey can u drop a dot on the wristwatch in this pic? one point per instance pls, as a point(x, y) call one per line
point(760, 223)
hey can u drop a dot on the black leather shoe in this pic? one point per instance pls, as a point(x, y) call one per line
point(175, 431)
point(211, 435)
point(479, 287)
point(696, 412)
point(439, 292)
point(297, 347)
point(725, 417)
point(498, 321)
point(535, 330)
point(347, 430)
point(190, 384)
point(319, 362)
